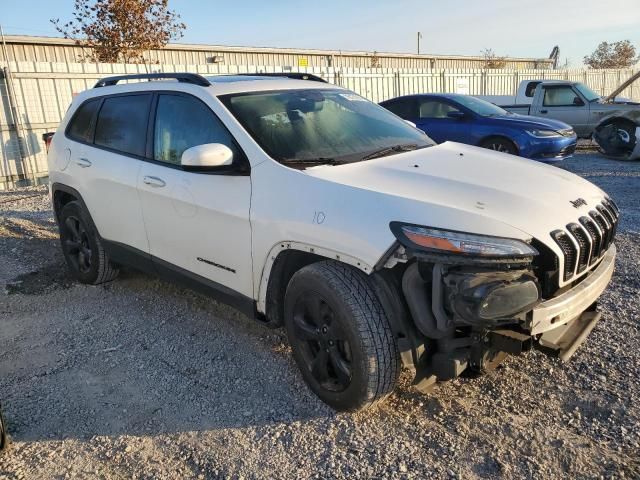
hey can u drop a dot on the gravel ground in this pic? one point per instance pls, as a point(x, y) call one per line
point(142, 379)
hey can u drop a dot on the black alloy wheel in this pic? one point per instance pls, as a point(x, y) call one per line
point(324, 346)
point(75, 242)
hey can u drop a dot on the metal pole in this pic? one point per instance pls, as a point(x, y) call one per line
point(419, 37)
point(15, 112)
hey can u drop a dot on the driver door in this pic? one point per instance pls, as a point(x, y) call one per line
point(564, 103)
point(197, 222)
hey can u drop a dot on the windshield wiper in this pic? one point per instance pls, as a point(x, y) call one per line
point(310, 162)
point(383, 152)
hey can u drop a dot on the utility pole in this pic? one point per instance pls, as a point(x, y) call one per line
point(419, 37)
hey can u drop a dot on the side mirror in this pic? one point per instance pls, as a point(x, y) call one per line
point(578, 101)
point(456, 114)
point(409, 122)
point(207, 155)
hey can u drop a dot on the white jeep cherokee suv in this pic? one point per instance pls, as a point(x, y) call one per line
point(306, 206)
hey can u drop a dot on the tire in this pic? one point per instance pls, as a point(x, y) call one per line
point(82, 247)
point(3, 433)
point(500, 144)
point(340, 336)
point(622, 141)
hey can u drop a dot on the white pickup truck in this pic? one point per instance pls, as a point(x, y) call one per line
point(613, 122)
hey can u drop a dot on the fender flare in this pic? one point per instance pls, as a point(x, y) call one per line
point(302, 247)
point(61, 187)
point(629, 116)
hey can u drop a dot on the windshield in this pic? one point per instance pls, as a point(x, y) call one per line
point(586, 92)
point(322, 126)
point(480, 107)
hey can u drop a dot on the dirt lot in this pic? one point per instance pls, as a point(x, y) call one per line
point(141, 379)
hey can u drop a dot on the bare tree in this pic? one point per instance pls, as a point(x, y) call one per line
point(121, 30)
point(612, 55)
point(491, 60)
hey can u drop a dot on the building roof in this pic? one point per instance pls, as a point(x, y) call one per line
point(41, 40)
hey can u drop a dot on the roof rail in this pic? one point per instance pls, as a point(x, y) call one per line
point(292, 75)
point(193, 78)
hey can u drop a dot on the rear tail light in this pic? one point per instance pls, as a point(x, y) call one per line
point(47, 137)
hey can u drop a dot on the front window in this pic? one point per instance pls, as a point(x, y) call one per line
point(560, 97)
point(481, 107)
point(586, 92)
point(313, 126)
point(183, 122)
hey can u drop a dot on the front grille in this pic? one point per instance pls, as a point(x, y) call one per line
point(596, 238)
point(584, 243)
point(569, 251)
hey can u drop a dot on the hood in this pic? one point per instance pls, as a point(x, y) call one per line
point(530, 122)
point(466, 188)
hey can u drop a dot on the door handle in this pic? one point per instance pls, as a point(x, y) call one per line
point(544, 111)
point(83, 162)
point(154, 181)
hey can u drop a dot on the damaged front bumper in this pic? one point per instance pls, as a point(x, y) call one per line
point(562, 324)
point(562, 309)
point(460, 338)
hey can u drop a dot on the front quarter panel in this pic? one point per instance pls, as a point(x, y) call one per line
point(340, 220)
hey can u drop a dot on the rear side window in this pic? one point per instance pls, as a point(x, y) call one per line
point(404, 108)
point(435, 109)
point(184, 122)
point(122, 123)
point(531, 89)
point(80, 126)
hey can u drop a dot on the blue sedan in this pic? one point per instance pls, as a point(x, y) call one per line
point(465, 119)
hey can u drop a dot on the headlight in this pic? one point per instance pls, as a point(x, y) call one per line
point(458, 243)
point(544, 133)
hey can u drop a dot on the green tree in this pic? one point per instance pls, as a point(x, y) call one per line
point(612, 55)
point(121, 30)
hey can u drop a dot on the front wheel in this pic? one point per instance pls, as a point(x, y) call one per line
point(500, 144)
point(340, 336)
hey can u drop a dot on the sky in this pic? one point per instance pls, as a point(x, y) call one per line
point(512, 28)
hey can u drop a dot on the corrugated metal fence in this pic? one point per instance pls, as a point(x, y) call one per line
point(35, 95)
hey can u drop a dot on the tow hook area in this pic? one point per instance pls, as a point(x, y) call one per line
point(480, 351)
point(565, 340)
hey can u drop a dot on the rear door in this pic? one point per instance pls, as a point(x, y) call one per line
point(404, 107)
point(564, 103)
point(104, 161)
point(196, 222)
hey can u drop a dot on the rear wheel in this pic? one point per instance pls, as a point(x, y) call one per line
point(340, 336)
point(3, 433)
point(82, 248)
point(500, 144)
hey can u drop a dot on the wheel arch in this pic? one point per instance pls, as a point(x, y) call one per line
point(501, 137)
point(619, 118)
point(62, 194)
point(282, 261)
